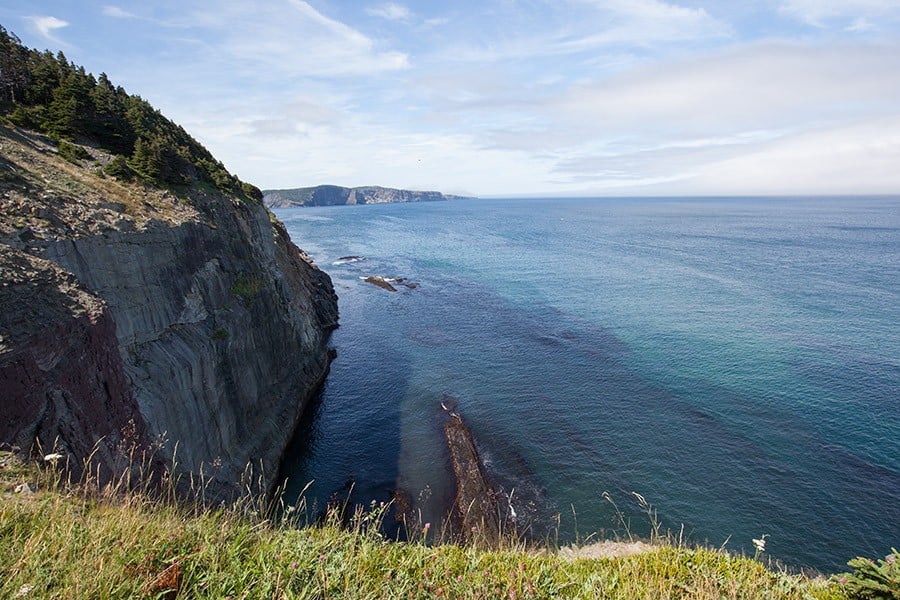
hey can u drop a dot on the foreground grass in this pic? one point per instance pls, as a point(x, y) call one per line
point(56, 544)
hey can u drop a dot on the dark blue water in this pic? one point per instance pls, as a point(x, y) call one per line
point(734, 361)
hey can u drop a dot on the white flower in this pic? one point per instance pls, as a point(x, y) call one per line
point(24, 590)
point(760, 544)
point(52, 457)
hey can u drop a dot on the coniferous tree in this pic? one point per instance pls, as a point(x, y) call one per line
point(13, 72)
point(46, 92)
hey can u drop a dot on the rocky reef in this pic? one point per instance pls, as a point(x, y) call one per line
point(477, 509)
point(130, 314)
point(333, 195)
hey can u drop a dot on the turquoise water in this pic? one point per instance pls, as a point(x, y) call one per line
point(734, 361)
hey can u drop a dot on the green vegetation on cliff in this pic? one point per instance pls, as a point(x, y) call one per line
point(47, 93)
point(112, 543)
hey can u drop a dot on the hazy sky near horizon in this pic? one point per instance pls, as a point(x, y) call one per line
point(510, 97)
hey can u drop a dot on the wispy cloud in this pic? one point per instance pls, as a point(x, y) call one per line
point(584, 27)
point(822, 13)
point(45, 25)
point(390, 11)
point(643, 22)
point(297, 41)
point(116, 12)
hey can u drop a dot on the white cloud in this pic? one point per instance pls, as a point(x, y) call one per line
point(116, 12)
point(582, 28)
point(645, 22)
point(269, 41)
point(46, 25)
point(820, 13)
point(763, 86)
point(390, 11)
point(860, 25)
point(853, 159)
point(692, 124)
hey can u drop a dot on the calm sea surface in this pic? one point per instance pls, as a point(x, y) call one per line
point(734, 361)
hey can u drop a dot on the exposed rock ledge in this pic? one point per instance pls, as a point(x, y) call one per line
point(192, 322)
point(476, 509)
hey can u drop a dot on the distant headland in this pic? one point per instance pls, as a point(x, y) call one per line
point(335, 195)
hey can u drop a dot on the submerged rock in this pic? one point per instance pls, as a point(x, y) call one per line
point(349, 259)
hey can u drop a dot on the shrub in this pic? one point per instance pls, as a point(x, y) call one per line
point(876, 580)
point(118, 168)
point(72, 153)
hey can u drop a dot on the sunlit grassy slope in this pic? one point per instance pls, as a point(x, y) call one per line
point(56, 542)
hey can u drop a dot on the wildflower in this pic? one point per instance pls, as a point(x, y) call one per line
point(24, 590)
point(439, 592)
point(426, 528)
point(760, 543)
point(842, 580)
point(294, 566)
point(52, 457)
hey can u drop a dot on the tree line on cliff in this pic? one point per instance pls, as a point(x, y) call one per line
point(50, 94)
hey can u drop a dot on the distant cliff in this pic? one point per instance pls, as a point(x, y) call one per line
point(132, 317)
point(333, 195)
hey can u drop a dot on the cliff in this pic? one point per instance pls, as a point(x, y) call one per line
point(333, 195)
point(135, 317)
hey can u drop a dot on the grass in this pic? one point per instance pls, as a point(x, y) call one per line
point(64, 541)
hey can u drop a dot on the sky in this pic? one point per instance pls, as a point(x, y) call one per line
point(511, 97)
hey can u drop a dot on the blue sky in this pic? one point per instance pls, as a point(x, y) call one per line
point(511, 97)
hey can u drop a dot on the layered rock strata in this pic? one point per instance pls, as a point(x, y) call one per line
point(200, 321)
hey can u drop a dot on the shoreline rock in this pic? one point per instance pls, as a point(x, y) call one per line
point(380, 282)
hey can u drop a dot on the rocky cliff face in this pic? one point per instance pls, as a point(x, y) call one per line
point(333, 195)
point(195, 321)
point(62, 378)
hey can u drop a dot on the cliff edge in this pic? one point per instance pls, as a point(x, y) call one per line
point(136, 317)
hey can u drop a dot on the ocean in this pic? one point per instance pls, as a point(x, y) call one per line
point(734, 361)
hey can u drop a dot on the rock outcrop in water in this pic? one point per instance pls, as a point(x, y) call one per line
point(333, 195)
point(129, 315)
point(476, 510)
